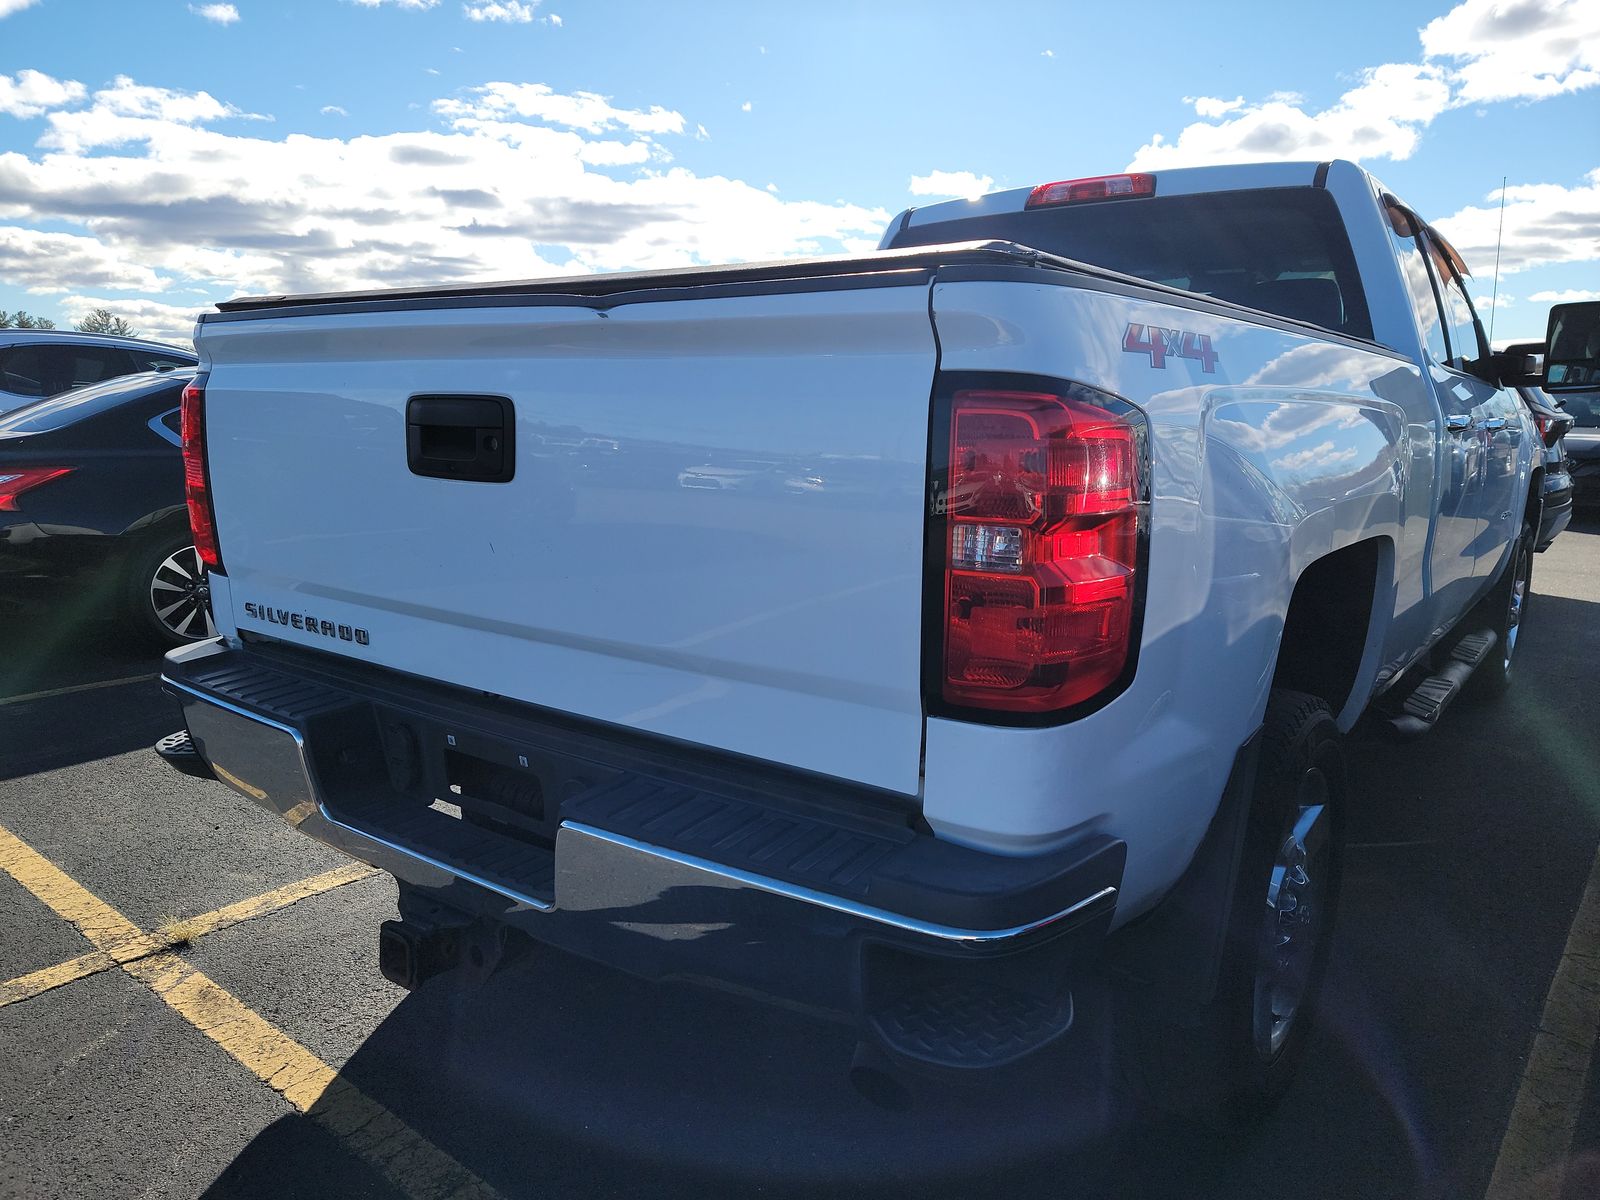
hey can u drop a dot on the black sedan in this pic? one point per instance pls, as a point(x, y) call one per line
point(1554, 424)
point(92, 506)
point(1583, 445)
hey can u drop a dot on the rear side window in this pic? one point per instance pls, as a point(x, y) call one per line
point(145, 360)
point(1584, 408)
point(1280, 250)
point(83, 365)
point(22, 371)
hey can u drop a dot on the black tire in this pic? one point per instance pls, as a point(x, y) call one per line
point(1507, 612)
point(166, 565)
point(1302, 767)
point(1217, 1065)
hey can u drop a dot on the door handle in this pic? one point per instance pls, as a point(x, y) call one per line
point(1491, 423)
point(1457, 422)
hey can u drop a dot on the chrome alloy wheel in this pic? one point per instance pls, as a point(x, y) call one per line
point(180, 596)
point(1293, 924)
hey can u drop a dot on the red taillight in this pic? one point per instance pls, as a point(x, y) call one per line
point(14, 482)
point(196, 481)
point(1041, 547)
point(1100, 187)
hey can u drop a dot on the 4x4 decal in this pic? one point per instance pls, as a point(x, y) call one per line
point(1160, 344)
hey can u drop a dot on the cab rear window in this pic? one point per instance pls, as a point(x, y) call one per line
point(1281, 250)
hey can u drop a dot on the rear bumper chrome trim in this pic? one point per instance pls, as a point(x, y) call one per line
point(301, 816)
point(1102, 900)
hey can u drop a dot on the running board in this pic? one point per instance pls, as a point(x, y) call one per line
point(1420, 709)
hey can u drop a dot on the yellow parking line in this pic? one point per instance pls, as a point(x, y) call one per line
point(1544, 1116)
point(36, 983)
point(77, 687)
point(408, 1160)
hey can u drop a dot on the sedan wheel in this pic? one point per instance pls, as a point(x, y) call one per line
point(180, 599)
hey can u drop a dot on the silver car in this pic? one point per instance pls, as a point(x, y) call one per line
point(42, 362)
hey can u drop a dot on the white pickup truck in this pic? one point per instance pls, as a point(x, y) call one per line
point(892, 636)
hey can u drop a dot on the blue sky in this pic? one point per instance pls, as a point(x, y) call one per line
point(156, 157)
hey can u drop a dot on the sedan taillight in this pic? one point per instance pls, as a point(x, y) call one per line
point(14, 482)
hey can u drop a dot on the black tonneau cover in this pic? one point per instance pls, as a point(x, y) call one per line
point(880, 268)
point(918, 259)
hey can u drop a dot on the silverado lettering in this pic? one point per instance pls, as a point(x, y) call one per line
point(307, 622)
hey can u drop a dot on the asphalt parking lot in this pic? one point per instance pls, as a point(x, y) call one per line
point(190, 1003)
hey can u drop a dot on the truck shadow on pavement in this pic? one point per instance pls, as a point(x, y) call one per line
point(559, 1077)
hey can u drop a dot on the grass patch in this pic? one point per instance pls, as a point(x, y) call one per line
point(177, 932)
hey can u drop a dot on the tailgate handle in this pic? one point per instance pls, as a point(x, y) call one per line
point(461, 437)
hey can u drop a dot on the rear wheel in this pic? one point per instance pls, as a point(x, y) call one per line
point(1508, 610)
point(1287, 893)
point(167, 597)
point(1232, 1060)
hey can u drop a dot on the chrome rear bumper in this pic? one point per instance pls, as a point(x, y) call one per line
point(608, 893)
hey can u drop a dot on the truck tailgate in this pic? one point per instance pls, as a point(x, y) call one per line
point(713, 531)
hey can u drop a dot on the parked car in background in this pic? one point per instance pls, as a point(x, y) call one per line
point(1554, 423)
point(41, 362)
point(1582, 443)
point(92, 506)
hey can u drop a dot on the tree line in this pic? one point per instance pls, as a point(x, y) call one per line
point(99, 320)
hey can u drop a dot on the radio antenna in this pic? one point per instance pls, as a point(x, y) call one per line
point(1494, 296)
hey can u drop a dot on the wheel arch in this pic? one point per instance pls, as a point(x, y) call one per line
point(1335, 625)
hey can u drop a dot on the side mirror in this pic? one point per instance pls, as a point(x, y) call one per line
point(1572, 361)
point(1521, 365)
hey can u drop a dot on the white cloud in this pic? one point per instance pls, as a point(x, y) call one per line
point(1565, 296)
point(511, 11)
point(1322, 455)
point(1382, 117)
point(333, 110)
point(221, 14)
point(1047, 54)
point(581, 110)
point(554, 19)
point(1490, 300)
point(7, 7)
point(43, 263)
point(30, 93)
point(171, 323)
point(745, 107)
point(1544, 223)
point(1518, 49)
point(963, 184)
point(162, 202)
point(129, 112)
point(1479, 51)
point(430, 70)
point(411, 4)
point(1210, 107)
